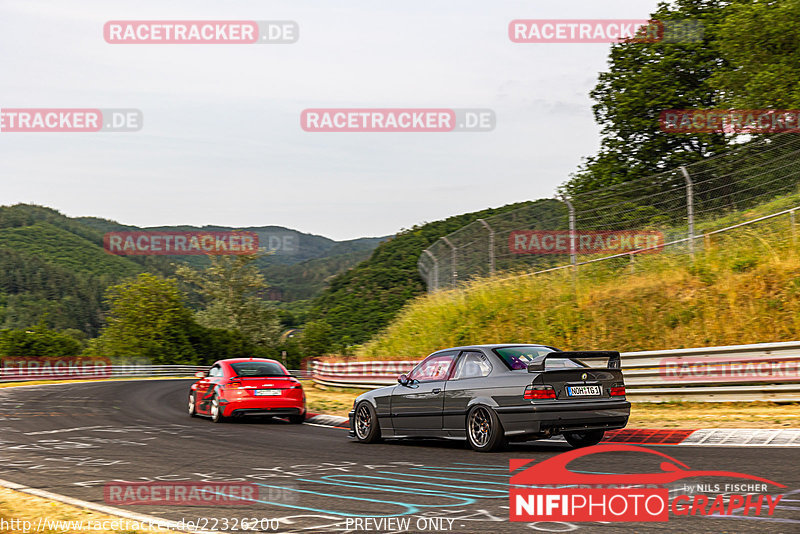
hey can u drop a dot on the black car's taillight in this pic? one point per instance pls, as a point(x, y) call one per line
point(539, 392)
point(617, 391)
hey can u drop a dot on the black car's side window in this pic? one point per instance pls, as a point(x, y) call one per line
point(472, 365)
point(435, 367)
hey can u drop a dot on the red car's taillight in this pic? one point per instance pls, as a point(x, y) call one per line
point(617, 391)
point(234, 385)
point(539, 392)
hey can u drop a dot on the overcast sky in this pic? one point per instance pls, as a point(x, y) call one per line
point(222, 142)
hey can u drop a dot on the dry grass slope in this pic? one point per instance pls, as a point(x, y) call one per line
point(742, 287)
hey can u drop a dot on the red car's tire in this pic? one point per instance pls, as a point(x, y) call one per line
point(192, 405)
point(216, 410)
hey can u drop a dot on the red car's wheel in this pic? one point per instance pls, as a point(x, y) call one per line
point(216, 410)
point(192, 405)
point(297, 419)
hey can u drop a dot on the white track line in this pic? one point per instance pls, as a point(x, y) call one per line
point(157, 522)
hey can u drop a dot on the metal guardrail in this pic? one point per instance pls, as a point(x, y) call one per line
point(759, 372)
point(120, 371)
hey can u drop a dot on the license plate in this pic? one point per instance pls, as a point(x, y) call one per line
point(267, 392)
point(579, 391)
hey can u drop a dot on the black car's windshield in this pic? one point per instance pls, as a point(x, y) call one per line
point(518, 358)
point(257, 369)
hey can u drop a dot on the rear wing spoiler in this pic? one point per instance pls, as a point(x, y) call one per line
point(614, 360)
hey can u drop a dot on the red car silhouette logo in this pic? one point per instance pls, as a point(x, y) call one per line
point(554, 471)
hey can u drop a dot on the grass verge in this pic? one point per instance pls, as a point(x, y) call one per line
point(329, 400)
point(17, 508)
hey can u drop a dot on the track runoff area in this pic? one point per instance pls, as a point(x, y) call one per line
point(130, 449)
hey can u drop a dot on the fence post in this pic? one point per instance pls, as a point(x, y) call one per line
point(573, 255)
point(433, 282)
point(689, 208)
point(793, 228)
point(455, 271)
point(491, 245)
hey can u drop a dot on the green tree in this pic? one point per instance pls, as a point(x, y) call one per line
point(230, 289)
point(760, 39)
point(643, 80)
point(147, 320)
point(38, 341)
point(317, 338)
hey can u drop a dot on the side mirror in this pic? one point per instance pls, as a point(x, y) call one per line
point(402, 380)
point(200, 374)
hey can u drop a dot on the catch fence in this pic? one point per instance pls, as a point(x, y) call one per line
point(673, 210)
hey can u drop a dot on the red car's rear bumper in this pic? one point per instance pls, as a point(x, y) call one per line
point(244, 402)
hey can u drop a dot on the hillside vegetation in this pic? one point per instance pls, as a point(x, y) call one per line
point(54, 267)
point(742, 287)
point(360, 302)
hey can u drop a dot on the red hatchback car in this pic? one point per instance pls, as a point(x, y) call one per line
point(247, 386)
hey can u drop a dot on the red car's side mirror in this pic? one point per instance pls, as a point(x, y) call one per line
point(200, 374)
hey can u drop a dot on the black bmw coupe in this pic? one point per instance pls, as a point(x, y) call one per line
point(492, 394)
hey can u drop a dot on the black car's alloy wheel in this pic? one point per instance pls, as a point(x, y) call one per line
point(365, 422)
point(484, 430)
point(586, 438)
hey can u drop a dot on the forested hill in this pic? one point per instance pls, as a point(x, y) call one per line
point(358, 303)
point(53, 267)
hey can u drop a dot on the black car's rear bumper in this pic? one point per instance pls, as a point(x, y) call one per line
point(554, 417)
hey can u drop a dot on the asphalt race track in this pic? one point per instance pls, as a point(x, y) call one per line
point(72, 439)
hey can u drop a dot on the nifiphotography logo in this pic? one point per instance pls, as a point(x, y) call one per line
point(550, 491)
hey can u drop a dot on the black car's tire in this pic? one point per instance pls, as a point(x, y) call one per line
point(297, 419)
point(365, 423)
point(216, 410)
point(586, 438)
point(484, 430)
point(192, 405)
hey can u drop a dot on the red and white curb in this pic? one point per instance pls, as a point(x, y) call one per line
point(321, 419)
point(709, 437)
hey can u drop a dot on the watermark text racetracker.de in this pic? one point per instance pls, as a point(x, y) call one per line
point(201, 32)
point(179, 243)
point(53, 367)
point(70, 120)
point(730, 121)
point(196, 493)
point(397, 120)
point(730, 369)
point(605, 31)
point(585, 241)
